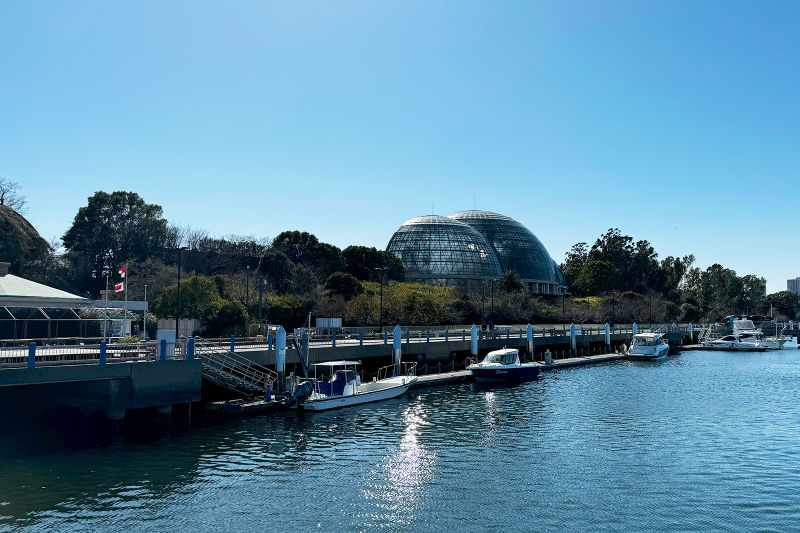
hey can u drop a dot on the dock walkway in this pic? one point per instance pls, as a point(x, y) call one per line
point(464, 375)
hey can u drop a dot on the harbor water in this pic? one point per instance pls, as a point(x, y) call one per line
point(699, 441)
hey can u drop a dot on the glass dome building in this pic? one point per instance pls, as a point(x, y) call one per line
point(517, 249)
point(437, 249)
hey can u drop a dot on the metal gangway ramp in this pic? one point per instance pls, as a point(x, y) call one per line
point(231, 371)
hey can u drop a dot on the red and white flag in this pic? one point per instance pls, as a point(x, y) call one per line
point(122, 272)
point(119, 287)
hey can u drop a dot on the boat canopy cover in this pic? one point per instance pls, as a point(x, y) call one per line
point(505, 351)
point(648, 335)
point(338, 363)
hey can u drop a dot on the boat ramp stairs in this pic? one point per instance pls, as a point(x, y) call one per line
point(231, 371)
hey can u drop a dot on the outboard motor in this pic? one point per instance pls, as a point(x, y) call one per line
point(301, 393)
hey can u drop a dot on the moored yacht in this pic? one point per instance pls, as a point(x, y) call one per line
point(735, 341)
point(503, 366)
point(648, 346)
point(749, 332)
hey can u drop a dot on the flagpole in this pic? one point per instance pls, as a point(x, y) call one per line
point(105, 321)
point(125, 281)
point(144, 325)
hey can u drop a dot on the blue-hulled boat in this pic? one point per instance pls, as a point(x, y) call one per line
point(503, 366)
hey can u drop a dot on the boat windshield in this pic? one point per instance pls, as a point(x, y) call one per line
point(728, 338)
point(501, 358)
point(644, 341)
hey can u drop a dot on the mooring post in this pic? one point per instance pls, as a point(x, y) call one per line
point(608, 335)
point(269, 342)
point(572, 341)
point(397, 350)
point(530, 340)
point(463, 335)
point(635, 328)
point(691, 333)
point(446, 336)
point(333, 338)
point(361, 339)
point(31, 355)
point(428, 339)
point(163, 355)
point(385, 337)
point(190, 348)
point(473, 337)
point(408, 336)
point(233, 343)
point(280, 357)
point(102, 358)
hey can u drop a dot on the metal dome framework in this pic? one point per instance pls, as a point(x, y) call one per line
point(517, 249)
point(443, 250)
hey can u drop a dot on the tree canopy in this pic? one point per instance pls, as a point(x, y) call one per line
point(366, 264)
point(116, 227)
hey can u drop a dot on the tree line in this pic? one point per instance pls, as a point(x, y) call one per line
point(230, 281)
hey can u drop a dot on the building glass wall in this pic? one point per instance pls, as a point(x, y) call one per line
point(439, 249)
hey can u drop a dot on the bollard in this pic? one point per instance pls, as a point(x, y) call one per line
point(397, 350)
point(233, 343)
point(31, 355)
point(473, 336)
point(333, 339)
point(163, 355)
point(190, 348)
point(102, 352)
point(280, 357)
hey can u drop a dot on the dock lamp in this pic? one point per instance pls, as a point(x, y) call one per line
point(178, 299)
point(381, 270)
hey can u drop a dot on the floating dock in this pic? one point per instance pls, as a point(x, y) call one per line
point(465, 375)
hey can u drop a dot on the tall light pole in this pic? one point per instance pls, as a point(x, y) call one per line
point(178, 302)
point(492, 319)
point(382, 270)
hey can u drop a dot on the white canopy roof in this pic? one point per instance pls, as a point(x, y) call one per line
point(338, 363)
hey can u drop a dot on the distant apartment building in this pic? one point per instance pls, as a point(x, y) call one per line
point(793, 285)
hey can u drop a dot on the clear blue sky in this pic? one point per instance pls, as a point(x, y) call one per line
point(675, 121)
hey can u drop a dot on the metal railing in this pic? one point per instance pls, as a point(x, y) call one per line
point(232, 371)
point(16, 357)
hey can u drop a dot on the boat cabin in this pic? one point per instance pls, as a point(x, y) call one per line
point(506, 356)
point(344, 378)
point(642, 340)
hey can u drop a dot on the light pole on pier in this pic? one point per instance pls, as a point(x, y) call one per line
point(381, 270)
point(178, 299)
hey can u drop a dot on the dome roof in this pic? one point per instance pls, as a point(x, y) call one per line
point(437, 247)
point(516, 247)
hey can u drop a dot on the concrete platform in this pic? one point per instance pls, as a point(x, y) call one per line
point(465, 375)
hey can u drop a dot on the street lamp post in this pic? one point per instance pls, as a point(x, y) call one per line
point(178, 299)
point(382, 270)
point(492, 320)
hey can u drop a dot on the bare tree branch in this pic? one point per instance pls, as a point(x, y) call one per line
point(11, 197)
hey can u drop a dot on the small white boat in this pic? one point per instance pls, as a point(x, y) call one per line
point(648, 346)
point(345, 388)
point(735, 341)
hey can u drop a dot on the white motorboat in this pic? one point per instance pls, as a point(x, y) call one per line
point(748, 332)
point(735, 341)
point(648, 346)
point(344, 387)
